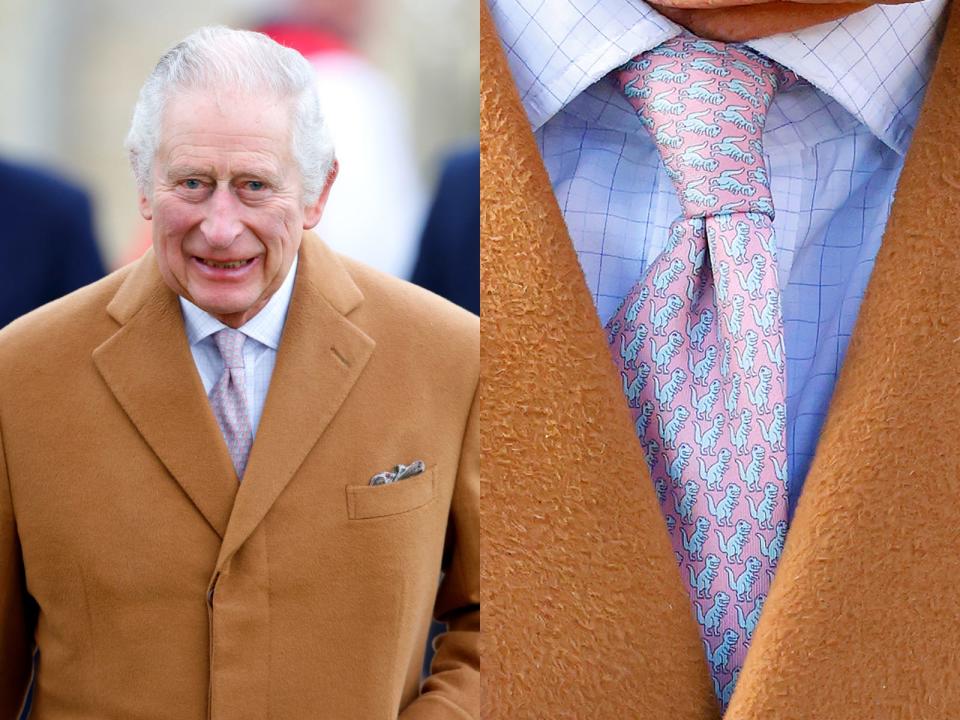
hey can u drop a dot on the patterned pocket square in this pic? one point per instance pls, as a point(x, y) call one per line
point(399, 472)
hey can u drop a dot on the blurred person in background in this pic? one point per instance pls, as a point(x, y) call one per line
point(231, 473)
point(47, 246)
point(449, 258)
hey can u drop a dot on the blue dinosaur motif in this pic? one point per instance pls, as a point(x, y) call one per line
point(720, 658)
point(721, 280)
point(749, 622)
point(776, 356)
point(736, 86)
point(730, 401)
point(613, 331)
point(691, 157)
point(663, 73)
point(723, 510)
point(703, 582)
point(708, 439)
point(661, 104)
point(727, 692)
point(777, 431)
point(633, 389)
point(643, 419)
point(733, 548)
point(725, 358)
point(761, 396)
point(633, 312)
point(662, 356)
point(764, 205)
point(675, 175)
point(668, 392)
point(740, 435)
point(756, 146)
point(666, 51)
point(774, 550)
point(758, 58)
point(698, 91)
point(768, 241)
point(767, 317)
point(710, 621)
point(694, 289)
point(737, 248)
point(730, 207)
point(673, 240)
point(670, 431)
point(692, 194)
point(637, 64)
point(651, 452)
point(726, 180)
point(696, 125)
point(635, 89)
point(728, 147)
point(752, 282)
point(666, 139)
point(780, 470)
point(698, 538)
point(660, 485)
point(713, 475)
point(735, 317)
point(763, 513)
point(751, 346)
point(699, 332)
point(710, 67)
point(702, 369)
point(723, 222)
point(704, 405)
point(748, 70)
point(685, 505)
point(630, 351)
point(759, 119)
point(706, 47)
point(676, 468)
point(662, 317)
point(750, 475)
point(733, 114)
point(671, 526)
point(743, 585)
point(663, 279)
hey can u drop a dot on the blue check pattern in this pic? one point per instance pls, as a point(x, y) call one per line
point(835, 145)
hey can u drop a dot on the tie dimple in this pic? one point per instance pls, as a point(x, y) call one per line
point(229, 401)
point(699, 339)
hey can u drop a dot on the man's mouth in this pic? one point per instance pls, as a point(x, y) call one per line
point(226, 265)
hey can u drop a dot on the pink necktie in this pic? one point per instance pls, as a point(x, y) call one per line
point(699, 340)
point(229, 401)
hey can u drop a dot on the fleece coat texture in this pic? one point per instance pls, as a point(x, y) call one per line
point(156, 586)
point(586, 614)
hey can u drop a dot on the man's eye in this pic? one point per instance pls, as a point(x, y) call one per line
point(256, 185)
point(192, 184)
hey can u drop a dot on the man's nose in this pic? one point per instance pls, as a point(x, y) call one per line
point(221, 224)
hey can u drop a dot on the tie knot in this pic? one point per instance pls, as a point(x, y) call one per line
point(705, 103)
point(230, 344)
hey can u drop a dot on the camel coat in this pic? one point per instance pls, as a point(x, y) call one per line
point(586, 614)
point(156, 586)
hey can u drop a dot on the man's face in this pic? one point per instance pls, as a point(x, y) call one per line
point(227, 204)
point(739, 20)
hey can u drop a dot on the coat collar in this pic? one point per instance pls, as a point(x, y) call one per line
point(581, 588)
point(148, 366)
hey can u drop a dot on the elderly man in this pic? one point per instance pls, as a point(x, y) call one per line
point(233, 472)
point(722, 356)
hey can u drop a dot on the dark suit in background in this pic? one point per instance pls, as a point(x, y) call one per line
point(47, 247)
point(449, 260)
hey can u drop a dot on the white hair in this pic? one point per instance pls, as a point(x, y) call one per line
point(219, 58)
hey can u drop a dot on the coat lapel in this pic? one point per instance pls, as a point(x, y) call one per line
point(863, 618)
point(148, 367)
point(585, 611)
point(321, 356)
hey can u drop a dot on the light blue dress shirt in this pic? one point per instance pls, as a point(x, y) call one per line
point(263, 332)
point(834, 145)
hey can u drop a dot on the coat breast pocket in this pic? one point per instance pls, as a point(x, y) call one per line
point(373, 501)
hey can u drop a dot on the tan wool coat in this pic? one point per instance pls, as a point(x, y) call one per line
point(586, 614)
point(156, 587)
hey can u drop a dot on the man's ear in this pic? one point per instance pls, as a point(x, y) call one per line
point(146, 211)
point(313, 212)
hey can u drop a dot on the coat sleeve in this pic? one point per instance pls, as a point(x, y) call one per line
point(16, 617)
point(452, 690)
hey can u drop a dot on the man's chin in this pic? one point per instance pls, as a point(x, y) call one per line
point(737, 21)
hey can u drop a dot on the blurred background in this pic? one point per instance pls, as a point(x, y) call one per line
point(399, 81)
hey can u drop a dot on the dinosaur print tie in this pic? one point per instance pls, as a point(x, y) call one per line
point(699, 339)
point(228, 398)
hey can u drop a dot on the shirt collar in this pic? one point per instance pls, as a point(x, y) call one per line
point(265, 327)
point(880, 83)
